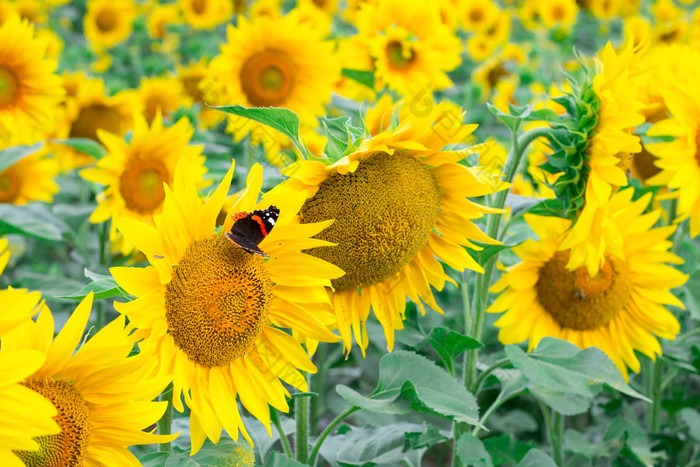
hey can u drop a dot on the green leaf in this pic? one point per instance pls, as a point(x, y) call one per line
point(450, 345)
point(428, 388)
point(370, 446)
point(692, 419)
point(471, 451)
point(85, 145)
point(361, 76)
point(14, 154)
point(102, 286)
point(505, 449)
point(280, 460)
point(424, 439)
point(536, 458)
point(225, 453)
point(563, 402)
point(558, 369)
point(578, 443)
point(408, 380)
point(283, 120)
point(32, 222)
point(341, 136)
point(635, 439)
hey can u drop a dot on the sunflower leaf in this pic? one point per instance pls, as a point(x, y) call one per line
point(85, 145)
point(450, 345)
point(31, 220)
point(536, 458)
point(102, 286)
point(12, 155)
point(364, 77)
point(283, 120)
point(565, 377)
point(471, 451)
point(226, 452)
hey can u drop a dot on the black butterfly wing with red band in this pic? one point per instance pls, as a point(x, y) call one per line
point(249, 229)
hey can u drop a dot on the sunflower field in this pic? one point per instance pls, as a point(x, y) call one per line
point(349, 233)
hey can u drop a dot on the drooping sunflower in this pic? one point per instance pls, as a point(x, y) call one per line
point(411, 46)
point(101, 394)
point(29, 179)
point(399, 204)
point(29, 89)
point(88, 109)
point(619, 310)
point(24, 414)
point(212, 312)
point(273, 62)
point(598, 145)
point(108, 23)
point(134, 172)
point(679, 160)
point(206, 14)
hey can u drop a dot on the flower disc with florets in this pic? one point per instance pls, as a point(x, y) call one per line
point(212, 312)
point(618, 309)
point(398, 203)
point(100, 392)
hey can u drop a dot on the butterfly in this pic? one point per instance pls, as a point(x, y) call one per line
point(249, 229)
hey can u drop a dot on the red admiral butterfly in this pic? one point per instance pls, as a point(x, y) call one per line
point(249, 229)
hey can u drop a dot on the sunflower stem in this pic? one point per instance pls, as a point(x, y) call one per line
point(556, 436)
point(104, 262)
point(302, 434)
point(327, 431)
point(485, 374)
point(656, 392)
point(283, 436)
point(518, 146)
point(166, 421)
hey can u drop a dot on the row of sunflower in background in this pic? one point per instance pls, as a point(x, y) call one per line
point(380, 165)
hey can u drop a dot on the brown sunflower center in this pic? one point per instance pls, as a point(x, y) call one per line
point(578, 301)
point(198, 6)
point(141, 184)
point(267, 78)
point(384, 213)
point(217, 301)
point(106, 20)
point(644, 164)
point(69, 447)
point(10, 185)
point(191, 86)
point(398, 56)
point(94, 117)
point(558, 12)
point(476, 15)
point(9, 86)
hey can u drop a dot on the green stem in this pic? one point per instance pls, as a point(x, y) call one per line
point(166, 421)
point(485, 374)
point(105, 256)
point(322, 362)
point(557, 438)
point(327, 431)
point(518, 146)
point(283, 437)
point(302, 434)
point(656, 392)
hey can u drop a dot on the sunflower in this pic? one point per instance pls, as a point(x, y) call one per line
point(619, 310)
point(160, 18)
point(679, 160)
point(478, 16)
point(600, 147)
point(354, 54)
point(206, 14)
point(134, 172)
point(272, 62)
point(88, 109)
point(29, 89)
point(31, 10)
point(160, 95)
point(604, 9)
point(19, 401)
point(558, 13)
point(29, 179)
point(399, 204)
point(194, 79)
point(108, 23)
point(497, 68)
point(211, 311)
point(411, 46)
point(102, 395)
